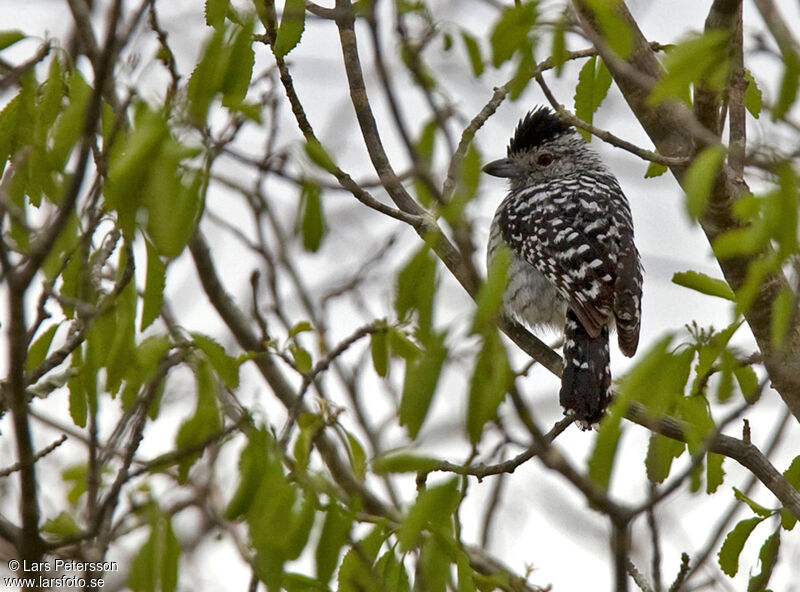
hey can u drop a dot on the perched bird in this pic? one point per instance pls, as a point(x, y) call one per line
point(573, 264)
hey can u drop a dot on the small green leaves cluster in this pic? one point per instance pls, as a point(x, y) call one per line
point(768, 233)
point(782, 520)
point(149, 173)
point(226, 65)
point(39, 129)
point(699, 60)
point(512, 39)
point(491, 374)
point(155, 566)
point(269, 502)
point(678, 379)
point(616, 31)
point(280, 494)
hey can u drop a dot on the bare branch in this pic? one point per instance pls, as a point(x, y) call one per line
point(41, 454)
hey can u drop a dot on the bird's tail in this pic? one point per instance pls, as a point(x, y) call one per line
point(586, 380)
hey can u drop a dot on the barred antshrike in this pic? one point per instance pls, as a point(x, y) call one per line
point(573, 262)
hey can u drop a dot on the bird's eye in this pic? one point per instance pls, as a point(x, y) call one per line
point(545, 159)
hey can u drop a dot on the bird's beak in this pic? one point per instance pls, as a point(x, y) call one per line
point(504, 167)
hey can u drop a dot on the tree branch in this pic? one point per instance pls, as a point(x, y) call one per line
point(673, 131)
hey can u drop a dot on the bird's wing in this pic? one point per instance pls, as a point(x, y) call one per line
point(564, 229)
point(628, 295)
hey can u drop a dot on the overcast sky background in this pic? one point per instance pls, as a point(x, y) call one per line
point(541, 518)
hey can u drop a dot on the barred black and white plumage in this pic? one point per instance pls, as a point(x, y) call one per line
point(574, 265)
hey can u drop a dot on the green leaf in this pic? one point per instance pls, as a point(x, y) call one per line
point(155, 567)
point(752, 95)
point(523, 75)
point(748, 382)
point(76, 475)
point(488, 386)
point(313, 219)
point(290, 31)
point(319, 156)
point(468, 178)
point(756, 507)
point(699, 179)
point(696, 412)
point(661, 451)
point(699, 59)
point(9, 38)
point(131, 159)
point(154, 283)
point(295, 582)
point(310, 425)
point(215, 12)
point(416, 286)
point(146, 358)
point(558, 50)
point(123, 343)
point(68, 127)
point(39, 348)
point(393, 573)
point(768, 557)
point(466, 581)
point(474, 53)
point(379, 350)
point(300, 327)
point(659, 378)
point(700, 282)
point(787, 94)
point(783, 307)
point(792, 474)
point(511, 31)
point(601, 462)
point(788, 520)
point(78, 405)
point(734, 543)
point(402, 345)
point(205, 422)
point(404, 462)
point(173, 197)
point(712, 348)
point(252, 466)
point(433, 570)
point(432, 510)
point(655, 169)
point(334, 535)
point(65, 245)
point(206, 79)
point(358, 457)
point(422, 375)
point(226, 367)
point(616, 31)
point(62, 526)
point(356, 573)
point(715, 474)
point(302, 521)
point(594, 80)
point(301, 357)
point(490, 296)
point(239, 67)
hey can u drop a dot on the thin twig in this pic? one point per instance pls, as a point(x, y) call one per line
point(41, 454)
point(566, 116)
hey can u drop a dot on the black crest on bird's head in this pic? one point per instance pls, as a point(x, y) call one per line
point(537, 127)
